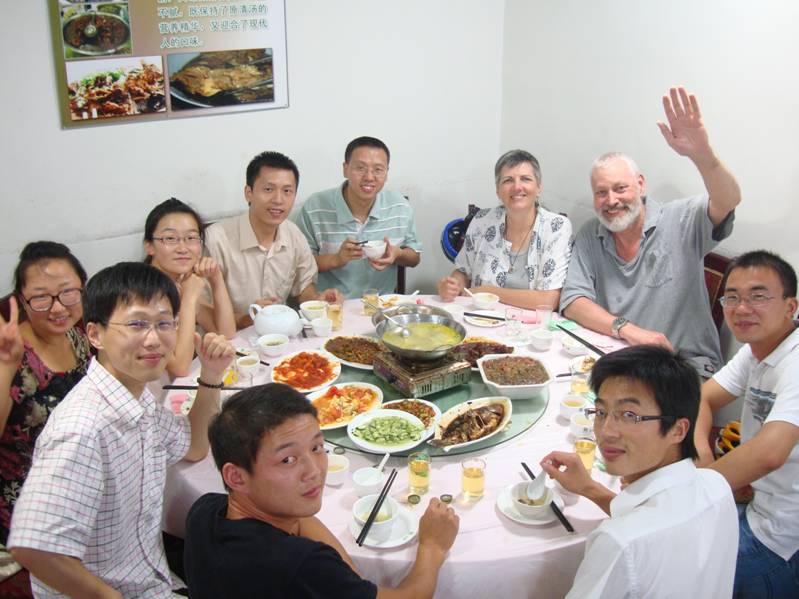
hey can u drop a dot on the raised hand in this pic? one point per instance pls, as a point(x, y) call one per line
point(11, 346)
point(685, 132)
point(568, 470)
point(449, 288)
point(349, 251)
point(215, 353)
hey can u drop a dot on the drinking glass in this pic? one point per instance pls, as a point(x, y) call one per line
point(585, 448)
point(513, 322)
point(473, 477)
point(373, 297)
point(544, 316)
point(579, 383)
point(419, 472)
point(335, 313)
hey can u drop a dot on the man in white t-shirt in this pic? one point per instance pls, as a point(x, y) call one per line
point(672, 530)
point(759, 307)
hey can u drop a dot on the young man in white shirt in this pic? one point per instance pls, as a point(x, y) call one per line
point(672, 530)
point(88, 519)
point(759, 307)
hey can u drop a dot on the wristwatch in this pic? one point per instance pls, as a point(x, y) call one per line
point(615, 327)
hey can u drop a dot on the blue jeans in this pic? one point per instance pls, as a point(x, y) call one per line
point(759, 572)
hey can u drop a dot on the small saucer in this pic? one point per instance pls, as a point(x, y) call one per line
point(405, 529)
point(505, 503)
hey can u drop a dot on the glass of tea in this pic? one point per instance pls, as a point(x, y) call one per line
point(373, 297)
point(473, 477)
point(335, 312)
point(579, 383)
point(585, 448)
point(419, 472)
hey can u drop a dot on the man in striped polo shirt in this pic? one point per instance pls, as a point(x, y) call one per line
point(335, 220)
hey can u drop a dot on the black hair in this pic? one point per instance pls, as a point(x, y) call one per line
point(764, 259)
point(672, 380)
point(365, 142)
point(170, 206)
point(274, 160)
point(40, 251)
point(125, 283)
point(235, 433)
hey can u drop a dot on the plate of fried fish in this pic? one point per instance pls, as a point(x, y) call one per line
point(471, 422)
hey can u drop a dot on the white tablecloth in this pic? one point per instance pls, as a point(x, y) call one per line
point(492, 555)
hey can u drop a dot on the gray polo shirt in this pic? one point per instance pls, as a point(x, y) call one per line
point(663, 287)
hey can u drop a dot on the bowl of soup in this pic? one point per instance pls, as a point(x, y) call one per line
point(432, 335)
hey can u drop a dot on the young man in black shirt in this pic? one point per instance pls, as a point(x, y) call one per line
point(262, 540)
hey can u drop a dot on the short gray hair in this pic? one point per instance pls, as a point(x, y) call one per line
point(605, 160)
point(514, 158)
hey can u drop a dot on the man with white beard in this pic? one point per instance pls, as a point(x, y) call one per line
point(636, 271)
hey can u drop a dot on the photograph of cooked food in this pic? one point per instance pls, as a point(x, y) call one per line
point(340, 404)
point(415, 407)
point(208, 79)
point(306, 370)
point(358, 350)
point(515, 370)
point(115, 87)
point(95, 30)
point(473, 424)
point(474, 348)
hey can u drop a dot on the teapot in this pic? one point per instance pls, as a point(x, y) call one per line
point(276, 318)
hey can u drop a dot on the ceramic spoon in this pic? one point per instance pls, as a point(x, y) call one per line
point(383, 462)
point(537, 488)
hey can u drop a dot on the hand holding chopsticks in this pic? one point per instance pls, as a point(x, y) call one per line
point(566, 524)
point(376, 508)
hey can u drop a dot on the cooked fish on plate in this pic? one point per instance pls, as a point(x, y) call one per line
point(472, 421)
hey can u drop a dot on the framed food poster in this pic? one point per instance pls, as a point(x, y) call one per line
point(132, 60)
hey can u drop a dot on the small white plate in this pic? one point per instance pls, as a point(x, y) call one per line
point(505, 503)
point(404, 530)
point(394, 299)
point(361, 419)
point(357, 365)
point(430, 429)
point(485, 322)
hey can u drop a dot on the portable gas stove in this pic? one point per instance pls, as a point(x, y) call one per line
point(417, 379)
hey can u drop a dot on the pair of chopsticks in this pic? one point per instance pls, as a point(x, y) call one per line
point(566, 524)
point(590, 346)
point(486, 316)
point(193, 387)
point(241, 354)
point(376, 509)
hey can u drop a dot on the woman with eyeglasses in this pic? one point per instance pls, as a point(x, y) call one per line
point(173, 239)
point(43, 355)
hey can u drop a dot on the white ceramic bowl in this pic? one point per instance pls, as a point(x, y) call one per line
point(456, 310)
point(248, 365)
point(374, 249)
point(322, 327)
point(380, 531)
point(571, 404)
point(580, 425)
point(513, 391)
point(541, 339)
point(337, 468)
point(531, 511)
point(572, 346)
point(314, 309)
point(273, 344)
point(367, 481)
point(485, 301)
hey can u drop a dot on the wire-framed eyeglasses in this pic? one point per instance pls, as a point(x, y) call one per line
point(43, 302)
point(622, 417)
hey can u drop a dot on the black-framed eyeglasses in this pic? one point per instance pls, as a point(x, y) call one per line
point(622, 417)
point(755, 300)
point(143, 327)
point(175, 240)
point(43, 303)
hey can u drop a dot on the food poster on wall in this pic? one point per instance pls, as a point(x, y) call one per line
point(128, 60)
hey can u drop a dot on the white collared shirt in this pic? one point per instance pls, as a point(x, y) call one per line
point(95, 491)
point(672, 533)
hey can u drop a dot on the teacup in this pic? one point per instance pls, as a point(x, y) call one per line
point(580, 425)
point(314, 309)
point(273, 344)
point(571, 404)
point(381, 527)
point(541, 339)
point(337, 468)
point(519, 490)
point(322, 327)
point(248, 365)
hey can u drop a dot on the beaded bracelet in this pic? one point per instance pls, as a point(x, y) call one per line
point(202, 383)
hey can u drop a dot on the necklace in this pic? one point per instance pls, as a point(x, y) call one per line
point(523, 246)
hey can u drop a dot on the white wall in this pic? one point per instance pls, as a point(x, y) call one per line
point(423, 76)
point(583, 78)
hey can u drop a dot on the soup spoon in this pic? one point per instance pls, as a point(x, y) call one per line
point(91, 29)
point(536, 488)
point(405, 332)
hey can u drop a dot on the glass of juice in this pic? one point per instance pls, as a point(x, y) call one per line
point(473, 477)
point(579, 383)
point(419, 472)
point(585, 448)
point(335, 312)
point(373, 297)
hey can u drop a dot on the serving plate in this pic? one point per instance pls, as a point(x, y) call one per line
point(473, 339)
point(455, 411)
point(514, 391)
point(329, 381)
point(437, 416)
point(322, 392)
point(362, 419)
point(357, 365)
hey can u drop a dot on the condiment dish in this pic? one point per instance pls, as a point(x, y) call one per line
point(367, 481)
point(337, 468)
point(272, 345)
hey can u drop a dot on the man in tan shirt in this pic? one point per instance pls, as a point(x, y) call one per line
point(264, 257)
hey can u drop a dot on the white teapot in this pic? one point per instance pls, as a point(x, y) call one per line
point(276, 318)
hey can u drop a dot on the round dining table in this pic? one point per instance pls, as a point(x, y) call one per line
point(492, 556)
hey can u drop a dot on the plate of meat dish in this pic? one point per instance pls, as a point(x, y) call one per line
point(355, 351)
point(471, 422)
point(428, 412)
point(472, 349)
point(337, 405)
point(516, 377)
point(307, 370)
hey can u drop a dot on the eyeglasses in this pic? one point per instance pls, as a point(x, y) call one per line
point(174, 240)
point(377, 171)
point(755, 300)
point(143, 327)
point(622, 417)
point(43, 303)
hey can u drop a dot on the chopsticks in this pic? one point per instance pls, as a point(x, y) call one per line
point(566, 524)
point(376, 508)
point(486, 316)
point(241, 354)
point(192, 387)
point(590, 346)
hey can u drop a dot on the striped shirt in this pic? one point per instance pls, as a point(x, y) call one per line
point(95, 491)
point(327, 222)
